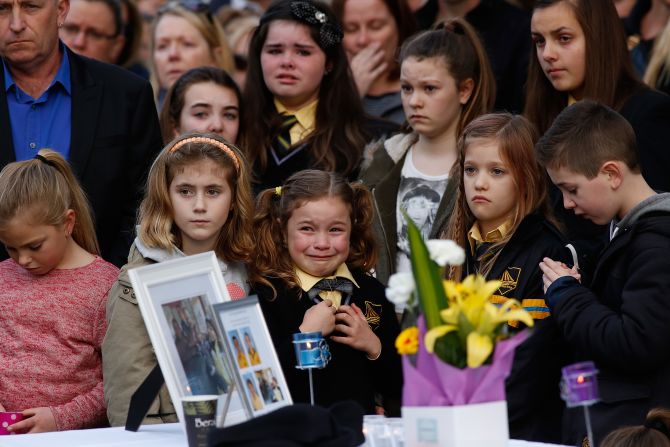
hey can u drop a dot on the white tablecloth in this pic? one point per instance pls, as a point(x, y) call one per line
point(166, 435)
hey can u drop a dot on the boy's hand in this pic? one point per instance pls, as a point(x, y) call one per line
point(36, 420)
point(356, 331)
point(552, 270)
point(319, 318)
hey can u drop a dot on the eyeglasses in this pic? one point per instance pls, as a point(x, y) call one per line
point(72, 30)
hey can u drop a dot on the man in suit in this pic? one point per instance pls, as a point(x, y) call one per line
point(100, 117)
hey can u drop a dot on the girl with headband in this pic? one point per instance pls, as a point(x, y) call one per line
point(52, 299)
point(197, 199)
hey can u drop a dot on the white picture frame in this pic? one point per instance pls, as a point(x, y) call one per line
point(175, 298)
point(253, 355)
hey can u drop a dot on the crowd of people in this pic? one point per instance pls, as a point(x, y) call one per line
point(293, 138)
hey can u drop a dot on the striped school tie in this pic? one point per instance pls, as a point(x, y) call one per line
point(282, 143)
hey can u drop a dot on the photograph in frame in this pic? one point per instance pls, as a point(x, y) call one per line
point(253, 354)
point(175, 299)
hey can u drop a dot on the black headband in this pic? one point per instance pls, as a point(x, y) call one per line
point(659, 425)
point(330, 33)
point(44, 160)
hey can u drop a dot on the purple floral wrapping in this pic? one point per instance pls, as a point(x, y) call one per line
point(435, 383)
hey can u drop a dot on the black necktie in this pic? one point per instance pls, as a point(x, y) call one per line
point(342, 285)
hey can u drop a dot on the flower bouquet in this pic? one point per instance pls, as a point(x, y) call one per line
point(457, 356)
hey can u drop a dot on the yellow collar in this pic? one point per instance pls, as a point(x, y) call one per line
point(305, 116)
point(571, 100)
point(475, 236)
point(308, 281)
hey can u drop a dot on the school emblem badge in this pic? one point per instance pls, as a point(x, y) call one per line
point(373, 314)
point(509, 278)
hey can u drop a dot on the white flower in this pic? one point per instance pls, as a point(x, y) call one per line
point(445, 252)
point(400, 288)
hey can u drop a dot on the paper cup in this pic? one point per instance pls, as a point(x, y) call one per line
point(8, 418)
point(199, 417)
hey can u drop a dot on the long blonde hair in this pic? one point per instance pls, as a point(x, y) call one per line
point(658, 69)
point(516, 138)
point(44, 189)
point(156, 216)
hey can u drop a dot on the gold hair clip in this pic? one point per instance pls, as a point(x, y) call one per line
point(228, 151)
point(278, 191)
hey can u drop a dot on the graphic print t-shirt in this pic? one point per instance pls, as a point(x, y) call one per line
point(419, 195)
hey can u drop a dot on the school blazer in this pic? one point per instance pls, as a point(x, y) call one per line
point(114, 137)
point(534, 405)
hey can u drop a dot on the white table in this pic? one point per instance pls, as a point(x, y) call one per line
point(165, 435)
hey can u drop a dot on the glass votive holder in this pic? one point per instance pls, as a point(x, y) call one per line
point(311, 350)
point(579, 385)
point(377, 431)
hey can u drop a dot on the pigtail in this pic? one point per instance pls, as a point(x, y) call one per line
point(363, 248)
point(83, 232)
point(271, 257)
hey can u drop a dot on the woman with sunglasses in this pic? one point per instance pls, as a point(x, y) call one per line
point(185, 36)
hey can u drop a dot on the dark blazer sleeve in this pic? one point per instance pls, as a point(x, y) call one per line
point(145, 142)
point(634, 338)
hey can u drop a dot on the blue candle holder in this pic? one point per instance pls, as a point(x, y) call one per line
point(579, 387)
point(311, 351)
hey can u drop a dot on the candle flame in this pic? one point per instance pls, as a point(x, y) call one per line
point(309, 345)
point(580, 379)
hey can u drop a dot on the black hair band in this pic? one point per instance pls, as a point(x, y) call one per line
point(330, 33)
point(657, 424)
point(44, 160)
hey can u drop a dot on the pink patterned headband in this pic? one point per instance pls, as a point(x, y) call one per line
point(228, 151)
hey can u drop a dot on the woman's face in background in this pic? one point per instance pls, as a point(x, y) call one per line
point(369, 22)
point(179, 46)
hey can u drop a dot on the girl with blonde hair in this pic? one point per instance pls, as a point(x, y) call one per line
point(52, 298)
point(198, 199)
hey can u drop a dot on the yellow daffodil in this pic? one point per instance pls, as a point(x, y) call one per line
point(408, 341)
point(475, 318)
point(480, 346)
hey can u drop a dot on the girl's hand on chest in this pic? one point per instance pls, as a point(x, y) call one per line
point(353, 330)
point(319, 318)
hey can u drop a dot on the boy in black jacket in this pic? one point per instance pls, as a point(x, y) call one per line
point(621, 321)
